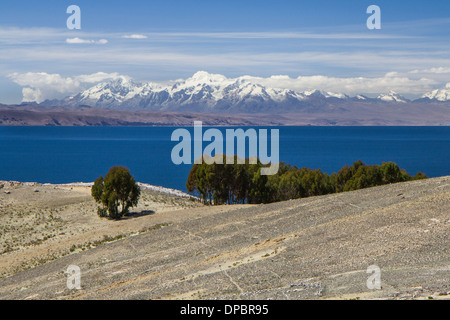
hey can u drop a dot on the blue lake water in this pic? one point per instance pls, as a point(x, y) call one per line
point(81, 154)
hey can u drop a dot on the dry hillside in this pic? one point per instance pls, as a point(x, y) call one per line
point(173, 248)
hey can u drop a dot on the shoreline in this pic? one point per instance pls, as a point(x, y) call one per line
point(170, 191)
point(237, 125)
point(378, 114)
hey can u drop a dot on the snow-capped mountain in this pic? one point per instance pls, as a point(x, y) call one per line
point(202, 92)
point(442, 94)
point(206, 92)
point(392, 97)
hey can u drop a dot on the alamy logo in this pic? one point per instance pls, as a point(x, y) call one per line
point(374, 21)
point(374, 281)
point(74, 21)
point(257, 145)
point(74, 278)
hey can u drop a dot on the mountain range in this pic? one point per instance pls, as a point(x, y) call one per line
point(214, 93)
point(218, 100)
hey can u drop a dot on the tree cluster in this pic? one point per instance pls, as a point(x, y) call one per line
point(243, 183)
point(117, 193)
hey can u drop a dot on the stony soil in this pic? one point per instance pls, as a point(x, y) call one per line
point(313, 248)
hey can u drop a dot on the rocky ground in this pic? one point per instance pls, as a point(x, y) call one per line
point(174, 248)
point(40, 223)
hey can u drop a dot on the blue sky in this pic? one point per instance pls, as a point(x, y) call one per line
point(166, 40)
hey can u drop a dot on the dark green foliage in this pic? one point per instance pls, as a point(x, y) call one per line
point(228, 183)
point(97, 189)
point(102, 212)
point(243, 183)
point(420, 176)
point(117, 190)
point(361, 176)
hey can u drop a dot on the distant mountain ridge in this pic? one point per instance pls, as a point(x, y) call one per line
point(215, 93)
point(439, 94)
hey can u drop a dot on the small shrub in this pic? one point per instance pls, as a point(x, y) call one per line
point(102, 212)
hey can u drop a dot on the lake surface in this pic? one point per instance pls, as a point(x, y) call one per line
point(81, 154)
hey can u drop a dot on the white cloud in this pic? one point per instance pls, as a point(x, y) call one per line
point(78, 41)
point(276, 35)
point(30, 95)
point(134, 36)
point(437, 70)
point(350, 85)
point(39, 86)
point(85, 41)
point(100, 76)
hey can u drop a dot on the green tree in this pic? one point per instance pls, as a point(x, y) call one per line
point(243, 183)
point(257, 189)
point(117, 190)
point(419, 176)
point(391, 172)
point(97, 189)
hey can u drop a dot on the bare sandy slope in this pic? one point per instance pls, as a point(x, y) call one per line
point(313, 248)
point(40, 223)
